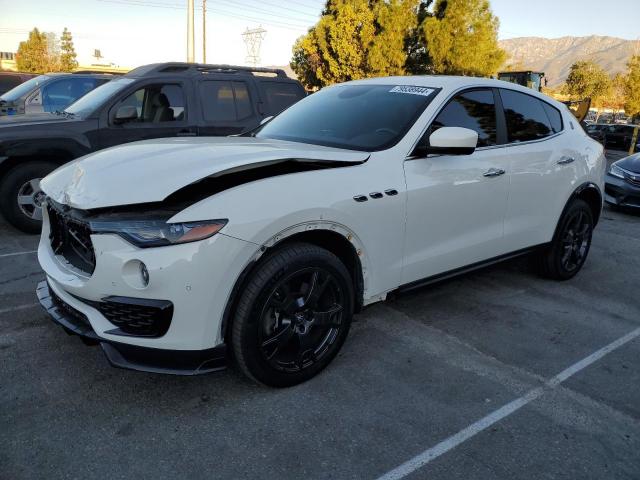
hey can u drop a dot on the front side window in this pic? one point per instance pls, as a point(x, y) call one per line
point(526, 117)
point(225, 101)
point(475, 110)
point(157, 103)
point(366, 117)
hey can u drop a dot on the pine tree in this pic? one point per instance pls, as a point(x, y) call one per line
point(68, 62)
point(632, 88)
point(33, 54)
point(462, 38)
point(355, 39)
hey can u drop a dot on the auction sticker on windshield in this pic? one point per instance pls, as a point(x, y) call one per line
point(412, 90)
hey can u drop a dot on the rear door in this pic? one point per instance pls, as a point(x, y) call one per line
point(163, 111)
point(227, 105)
point(542, 168)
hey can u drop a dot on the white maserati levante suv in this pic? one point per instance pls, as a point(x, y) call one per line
point(178, 254)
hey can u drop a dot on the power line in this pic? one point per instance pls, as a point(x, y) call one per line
point(276, 23)
point(264, 2)
point(264, 12)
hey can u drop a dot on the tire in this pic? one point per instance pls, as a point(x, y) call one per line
point(17, 181)
point(568, 251)
point(284, 330)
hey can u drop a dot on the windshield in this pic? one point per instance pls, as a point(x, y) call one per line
point(357, 117)
point(92, 100)
point(24, 88)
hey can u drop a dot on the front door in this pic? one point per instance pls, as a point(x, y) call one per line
point(456, 203)
point(162, 112)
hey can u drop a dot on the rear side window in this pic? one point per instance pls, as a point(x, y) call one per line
point(281, 95)
point(526, 117)
point(225, 101)
point(475, 110)
point(554, 116)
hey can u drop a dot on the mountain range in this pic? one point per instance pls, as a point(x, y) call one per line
point(554, 56)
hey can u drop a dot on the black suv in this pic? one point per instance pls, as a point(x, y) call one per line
point(158, 100)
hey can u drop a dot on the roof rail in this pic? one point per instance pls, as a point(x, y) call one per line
point(194, 68)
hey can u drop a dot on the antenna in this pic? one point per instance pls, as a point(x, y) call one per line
point(253, 40)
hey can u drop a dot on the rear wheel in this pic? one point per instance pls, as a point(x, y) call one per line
point(293, 315)
point(21, 197)
point(571, 243)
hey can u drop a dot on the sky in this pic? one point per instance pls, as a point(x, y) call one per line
point(134, 32)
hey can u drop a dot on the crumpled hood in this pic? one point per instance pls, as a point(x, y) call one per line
point(151, 170)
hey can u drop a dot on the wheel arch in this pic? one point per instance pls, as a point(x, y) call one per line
point(333, 237)
point(56, 156)
point(591, 194)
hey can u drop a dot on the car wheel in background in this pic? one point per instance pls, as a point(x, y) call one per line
point(570, 246)
point(293, 315)
point(21, 197)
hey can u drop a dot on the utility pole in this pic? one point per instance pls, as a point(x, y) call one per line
point(204, 31)
point(190, 40)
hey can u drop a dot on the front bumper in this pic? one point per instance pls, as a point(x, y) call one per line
point(618, 191)
point(177, 362)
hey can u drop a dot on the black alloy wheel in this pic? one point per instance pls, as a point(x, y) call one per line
point(568, 251)
point(293, 315)
point(301, 319)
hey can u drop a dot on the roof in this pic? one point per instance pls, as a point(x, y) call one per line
point(449, 82)
point(200, 69)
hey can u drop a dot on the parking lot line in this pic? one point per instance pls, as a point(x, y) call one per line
point(16, 253)
point(465, 434)
point(18, 307)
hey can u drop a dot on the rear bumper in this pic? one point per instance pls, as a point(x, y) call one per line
point(620, 192)
point(133, 357)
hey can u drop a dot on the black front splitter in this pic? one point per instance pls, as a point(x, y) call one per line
point(131, 357)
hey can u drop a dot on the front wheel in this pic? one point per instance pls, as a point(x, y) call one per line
point(293, 315)
point(21, 197)
point(571, 243)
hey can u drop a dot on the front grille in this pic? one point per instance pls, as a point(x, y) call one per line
point(71, 238)
point(137, 316)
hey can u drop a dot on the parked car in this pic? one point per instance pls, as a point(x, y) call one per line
point(169, 251)
point(159, 100)
point(596, 131)
point(618, 137)
point(49, 93)
point(622, 182)
point(9, 80)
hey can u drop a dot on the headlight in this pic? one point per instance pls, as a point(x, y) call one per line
point(158, 233)
point(616, 171)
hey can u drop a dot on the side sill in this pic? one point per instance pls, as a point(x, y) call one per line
point(466, 269)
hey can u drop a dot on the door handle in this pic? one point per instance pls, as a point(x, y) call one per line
point(566, 160)
point(493, 172)
point(186, 133)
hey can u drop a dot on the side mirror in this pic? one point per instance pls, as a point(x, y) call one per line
point(126, 113)
point(450, 141)
point(266, 119)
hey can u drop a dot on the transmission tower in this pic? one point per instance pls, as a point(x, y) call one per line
point(253, 39)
